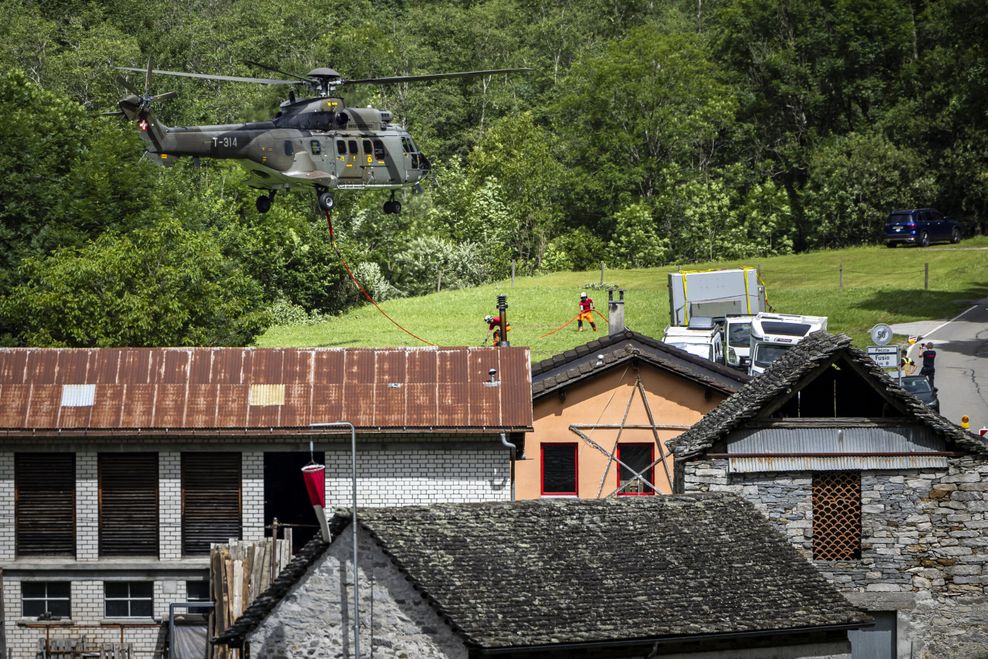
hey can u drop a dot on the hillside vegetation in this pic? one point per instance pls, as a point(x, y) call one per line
point(643, 134)
point(880, 285)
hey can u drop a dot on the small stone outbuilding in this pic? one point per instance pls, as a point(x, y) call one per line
point(701, 575)
point(887, 498)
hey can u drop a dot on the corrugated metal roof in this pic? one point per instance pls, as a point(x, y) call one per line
point(270, 388)
point(836, 463)
point(843, 439)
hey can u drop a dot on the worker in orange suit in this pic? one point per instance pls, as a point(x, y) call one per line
point(494, 325)
point(586, 313)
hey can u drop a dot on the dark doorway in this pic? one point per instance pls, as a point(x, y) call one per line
point(285, 496)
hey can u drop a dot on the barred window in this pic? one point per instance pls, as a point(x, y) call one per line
point(836, 516)
point(636, 459)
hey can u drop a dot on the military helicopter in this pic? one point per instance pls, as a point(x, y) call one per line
point(317, 141)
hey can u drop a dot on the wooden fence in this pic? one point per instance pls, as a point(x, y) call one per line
point(239, 572)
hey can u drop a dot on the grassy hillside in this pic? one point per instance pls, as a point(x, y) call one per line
point(879, 285)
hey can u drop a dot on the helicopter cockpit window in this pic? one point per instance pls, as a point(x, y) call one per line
point(352, 145)
point(316, 147)
point(341, 147)
point(289, 151)
point(378, 150)
point(406, 145)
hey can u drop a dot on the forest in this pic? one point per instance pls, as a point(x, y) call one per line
point(645, 133)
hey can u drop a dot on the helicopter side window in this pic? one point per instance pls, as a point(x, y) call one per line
point(352, 145)
point(341, 147)
point(367, 147)
point(378, 150)
point(316, 147)
point(289, 150)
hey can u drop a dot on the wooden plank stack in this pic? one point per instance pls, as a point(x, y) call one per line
point(239, 571)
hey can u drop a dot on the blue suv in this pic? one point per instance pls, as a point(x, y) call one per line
point(921, 226)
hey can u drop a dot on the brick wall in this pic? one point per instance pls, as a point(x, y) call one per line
point(252, 488)
point(169, 505)
point(924, 545)
point(86, 506)
point(399, 476)
point(6, 506)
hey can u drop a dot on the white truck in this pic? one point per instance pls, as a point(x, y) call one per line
point(707, 343)
point(737, 332)
point(715, 294)
point(774, 333)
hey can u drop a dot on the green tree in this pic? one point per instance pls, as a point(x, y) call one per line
point(163, 285)
point(855, 180)
point(636, 243)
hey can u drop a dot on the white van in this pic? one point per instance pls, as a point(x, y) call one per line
point(706, 343)
point(774, 333)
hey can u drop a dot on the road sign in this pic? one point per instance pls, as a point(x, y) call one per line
point(885, 356)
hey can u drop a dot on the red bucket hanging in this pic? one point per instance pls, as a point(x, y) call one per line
point(314, 476)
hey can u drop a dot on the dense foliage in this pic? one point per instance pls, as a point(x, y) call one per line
point(646, 133)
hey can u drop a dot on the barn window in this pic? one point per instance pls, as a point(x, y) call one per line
point(128, 504)
point(44, 504)
point(559, 469)
point(638, 458)
point(128, 599)
point(46, 598)
point(210, 500)
point(836, 516)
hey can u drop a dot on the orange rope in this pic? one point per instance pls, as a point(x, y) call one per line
point(332, 239)
point(560, 327)
point(602, 316)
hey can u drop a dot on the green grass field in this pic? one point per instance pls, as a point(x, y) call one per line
point(879, 285)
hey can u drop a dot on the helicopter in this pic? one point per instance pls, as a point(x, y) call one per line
point(316, 142)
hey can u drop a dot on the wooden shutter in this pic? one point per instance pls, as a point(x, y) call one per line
point(210, 500)
point(44, 507)
point(128, 504)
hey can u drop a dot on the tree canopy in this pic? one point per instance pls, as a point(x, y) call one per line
point(645, 133)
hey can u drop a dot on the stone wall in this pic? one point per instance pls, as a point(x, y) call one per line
point(315, 618)
point(924, 548)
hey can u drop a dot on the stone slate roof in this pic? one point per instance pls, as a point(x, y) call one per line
point(785, 372)
point(582, 361)
point(593, 571)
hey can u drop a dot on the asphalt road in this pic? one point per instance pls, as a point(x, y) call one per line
point(962, 362)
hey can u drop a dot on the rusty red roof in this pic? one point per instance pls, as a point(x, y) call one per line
point(270, 389)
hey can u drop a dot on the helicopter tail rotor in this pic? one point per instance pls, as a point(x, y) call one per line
point(137, 104)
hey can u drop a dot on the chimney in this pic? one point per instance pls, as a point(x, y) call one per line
point(502, 309)
point(615, 312)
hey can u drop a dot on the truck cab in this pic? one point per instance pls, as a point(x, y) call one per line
point(774, 333)
point(737, 332)
point(705, 343)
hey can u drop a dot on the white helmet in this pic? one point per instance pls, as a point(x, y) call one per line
point(583, 295)
point(488, 319)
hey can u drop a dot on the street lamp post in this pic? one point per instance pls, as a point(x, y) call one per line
point(353, 513)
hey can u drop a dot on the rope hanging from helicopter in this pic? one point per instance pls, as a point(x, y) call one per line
point(332, 240)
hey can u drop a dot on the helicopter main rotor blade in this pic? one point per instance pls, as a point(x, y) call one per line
point(429, 76)
point(203, 76)
point(126, 84)
point(274, 70)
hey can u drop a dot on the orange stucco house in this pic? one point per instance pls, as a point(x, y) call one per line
point(604, 410)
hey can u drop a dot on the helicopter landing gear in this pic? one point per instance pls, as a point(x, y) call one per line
point(263, 203)
point(326, 201)
point(392, 206)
